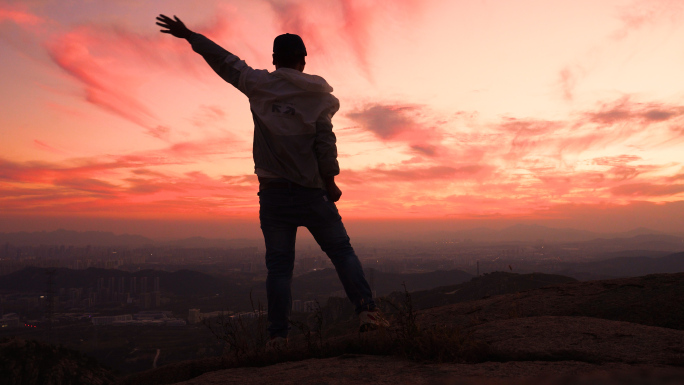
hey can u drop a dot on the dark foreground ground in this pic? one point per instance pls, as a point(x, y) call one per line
point(623, 331)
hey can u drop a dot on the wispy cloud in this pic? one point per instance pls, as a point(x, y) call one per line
point(46, 147)
point(624, 110)
point(647, 189)
point(18, 16)
point(125, 184)
point(319, 27)
point(106, 82)
point(642, 13)
point(413, 174)
point(633, 18)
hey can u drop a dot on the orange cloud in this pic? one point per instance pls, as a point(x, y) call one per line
point(121, 186)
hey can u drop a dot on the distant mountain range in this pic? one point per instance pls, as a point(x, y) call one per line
point(311, 284)
point(537, 233)
point(516, 233)
point(486, 285)
point(623, 267)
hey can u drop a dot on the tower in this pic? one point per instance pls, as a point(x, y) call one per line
point(49, 300)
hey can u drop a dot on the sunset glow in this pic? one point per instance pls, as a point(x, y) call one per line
point(453, 113)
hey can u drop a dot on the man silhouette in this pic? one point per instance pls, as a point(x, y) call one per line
point(295, 160)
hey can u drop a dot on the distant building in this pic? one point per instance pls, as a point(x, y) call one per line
point(194, 316)
point(175, 322)
point(122, 285)
point(10, 320)
point(310, 306)
point(109, 320)
point(298, 305)
point(143, 285)
point(146, 300)
point(153, 315)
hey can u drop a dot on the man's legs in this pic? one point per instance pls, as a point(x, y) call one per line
point(279, 237)
point(325, 224)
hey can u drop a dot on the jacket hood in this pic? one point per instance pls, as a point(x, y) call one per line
point(313, 83)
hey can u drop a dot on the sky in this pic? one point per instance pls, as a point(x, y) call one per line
point(454, 114)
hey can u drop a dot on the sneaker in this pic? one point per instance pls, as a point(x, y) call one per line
point(276, 343)
point(372, 320)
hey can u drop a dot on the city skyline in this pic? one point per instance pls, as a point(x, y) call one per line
point(454, 115)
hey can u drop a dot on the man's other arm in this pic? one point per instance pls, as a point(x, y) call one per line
point(326, 150)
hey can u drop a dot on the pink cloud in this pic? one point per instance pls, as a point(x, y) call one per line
point(624, 110)
point(353, 24)
point(208, 115)
point(400, 123)
point(88, 185)
point(620, 168)
point(615, 160)
point(111, 63)
point(642, 13)
point(676, 177)
point(104, 83)
point(567, 80)
point(387, 122)
point(19, 17)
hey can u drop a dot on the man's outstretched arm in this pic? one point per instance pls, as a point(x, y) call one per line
point(225, 64)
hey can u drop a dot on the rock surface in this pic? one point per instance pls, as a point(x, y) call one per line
point(346, 370)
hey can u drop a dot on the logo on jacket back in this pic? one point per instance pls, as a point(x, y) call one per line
point(283, 109)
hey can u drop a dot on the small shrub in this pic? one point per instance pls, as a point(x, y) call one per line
point(437, 342)
point(244, 337)
point(313, 337)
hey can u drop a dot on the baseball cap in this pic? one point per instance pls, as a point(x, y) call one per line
point(289, 44)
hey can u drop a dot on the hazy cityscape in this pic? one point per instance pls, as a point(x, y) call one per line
point(104, 297)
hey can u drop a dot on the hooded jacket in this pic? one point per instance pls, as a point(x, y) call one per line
point(292, 112)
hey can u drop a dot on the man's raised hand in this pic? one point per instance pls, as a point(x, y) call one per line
point(174, 27)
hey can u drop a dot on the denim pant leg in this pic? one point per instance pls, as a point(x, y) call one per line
point(279, 236)
point(325, 224)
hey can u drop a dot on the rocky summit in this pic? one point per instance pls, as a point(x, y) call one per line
point(621, 331)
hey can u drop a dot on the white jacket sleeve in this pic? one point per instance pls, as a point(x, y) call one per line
point(228, 66)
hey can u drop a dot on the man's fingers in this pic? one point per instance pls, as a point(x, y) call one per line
point(163, 31)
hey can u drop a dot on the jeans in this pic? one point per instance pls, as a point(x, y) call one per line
point(281, 211)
